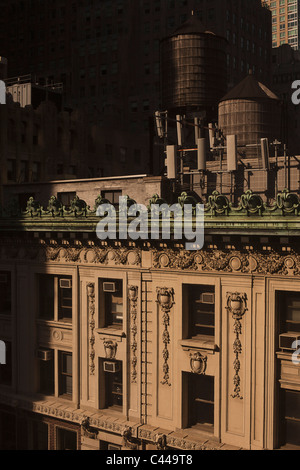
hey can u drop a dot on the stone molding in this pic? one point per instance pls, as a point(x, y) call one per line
point(90, 287)
point(236, 305)
point(165, 299)
point(133, 297)
point(228, 261)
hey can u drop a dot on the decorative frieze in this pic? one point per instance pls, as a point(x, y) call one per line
point(91, 321)
point(237, 307)
point(229, 261)
point(133, 297)
point(165, 299)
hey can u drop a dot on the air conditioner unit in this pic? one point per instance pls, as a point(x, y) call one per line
point(44, 354)
point(3, 278)
point(112, 367)
point(65, 283)
point(109, 287)
point(207, 298)
point(288, 341)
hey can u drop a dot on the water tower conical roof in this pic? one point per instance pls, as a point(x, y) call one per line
point(249, 88)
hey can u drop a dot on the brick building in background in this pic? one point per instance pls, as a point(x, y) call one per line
point(107, 55)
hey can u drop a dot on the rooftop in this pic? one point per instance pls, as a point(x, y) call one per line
point(250, 88)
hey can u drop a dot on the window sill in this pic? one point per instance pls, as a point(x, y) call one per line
point(111, 332)
point(56, 323)
point(200, 342)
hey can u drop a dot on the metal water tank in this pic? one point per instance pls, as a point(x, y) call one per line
point(193, 68)
point(251, 112)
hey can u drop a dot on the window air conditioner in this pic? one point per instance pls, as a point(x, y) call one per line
point(3, 278)
point(286, 341)
point(65, 283)
point(44, 355)
point(109, 287)
point(112, 367)
point(207, 298)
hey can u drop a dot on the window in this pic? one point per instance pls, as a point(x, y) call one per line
point(199, 311)
point(7, 431)
point(123, 154)
point(289, 307)
point(199, 394)
point(11, 170)
point(66, 198)
point(55, 298)
point(60, 168)
point(111, 303)
point(108, 446)
point(111, 385)
point(112, 196)
point(65, 374)
point(289, 426)
point(35, 136)
point(66, 439)
point(5, 293)
point(38, 437)
point(36, 171)
point(46, 369)
point(6, 369)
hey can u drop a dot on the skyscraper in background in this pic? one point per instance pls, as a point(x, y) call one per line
point(285, 22)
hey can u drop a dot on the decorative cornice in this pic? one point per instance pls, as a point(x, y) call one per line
point(250, 204)
point(229, 261)
point(105, 423)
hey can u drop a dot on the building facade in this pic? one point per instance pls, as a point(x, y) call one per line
point(285, 22)
point(285, 71)
point(44, 143)
point(141, 344)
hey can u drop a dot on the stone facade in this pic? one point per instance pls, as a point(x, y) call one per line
point(159, 358)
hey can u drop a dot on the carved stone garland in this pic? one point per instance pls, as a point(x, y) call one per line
point(237, 306)
point(165, 298)
point(132, 297)
point(91, 318)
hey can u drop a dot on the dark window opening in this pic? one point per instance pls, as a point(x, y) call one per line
point(289, 306)
point(46, 366)
point(111, 385)
point(66, 198)
point(200, 401)
point(6, 369)
point(111, 303)
point(289, 425)
point(65, 375)
point(66, 439)
point(199, 310)
point(55, 298)
point(8, 435)
point(5, 293)
point(39, 436)
point(112, 196)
